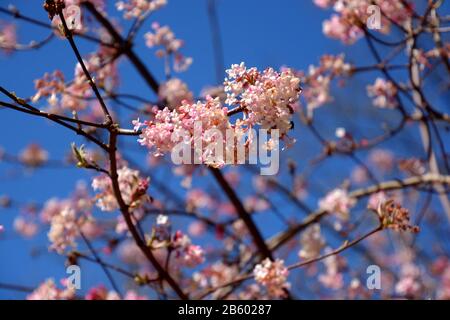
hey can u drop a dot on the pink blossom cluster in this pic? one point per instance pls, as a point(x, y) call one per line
point(33, 155)
point(8, 36)
point(72, 16)
point(132, 187)
point(138, 8)
point(273, 276)
point(101, 293)
point(410, 283)
point(265, 96)
point(384, 93)
point(215, 274)
point(311, 242)
point(332, 278)
point(72, 96)
point(338, 201)
point(69, 217)
point(318, 79)
point(186, 253)
point(163, 36)
point(444, 285)
point(173, 92)
point(350, 16)
point(165, 131)
point(49, 291)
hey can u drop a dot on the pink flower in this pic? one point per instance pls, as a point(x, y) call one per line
point(338, 201)
point(2, 228)
point(49, 291)
point(410, 284)
point(72, 16)
point(273, 276)
point(137, 8)
point(311, 242)
point(8, 37)
point(64, 228)
point(333, 277)
point(186, 253)
point(174, 92)
point(266, 96)
point(341, 28)
point(33, 155)
point(384, 93)
point(376, 199)
point(165, 38)
point(133, 189)
point(318, 79)
point(25, 227)
point(382, 159)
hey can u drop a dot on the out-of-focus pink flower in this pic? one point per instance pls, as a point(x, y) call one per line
point(33, 155)
point(376, 199)
point(186, 253)
point(133, 189)
point(25, 227)
point(384, 93)
point(49, 291)
point(273, 276)
point(410, 284)
point(338, 201)
point(197, 228)
point(8, 37)
point(137, 8)
point(311, 242)
point(174, 92)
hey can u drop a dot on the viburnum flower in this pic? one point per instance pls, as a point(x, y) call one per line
point(444, 287)
point(186, 253)
point(316, 82)
point(273, 276)
point(311, 242)
point(168, 127)
point(393, 216)
point(8, 37)
point(265, 97)
point(72, 16)
point(165, 38)
point(346, 24)
point(338, 201)
point(382, 159)
point(215, 275)
point(384, 93)
point(173, 92)
point(137, 8)
point(133, 189)
point(409, 284)
point(49, 291)
point(333, 277)
point(64, 228)
point(25, 227)
point(33, 155)
point(376, 199)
